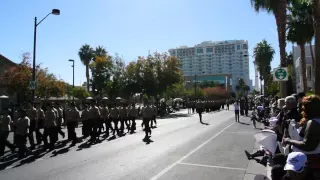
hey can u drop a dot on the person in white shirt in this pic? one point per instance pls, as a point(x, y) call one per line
point(22, 131)
point(5, 128)
point(236, 110)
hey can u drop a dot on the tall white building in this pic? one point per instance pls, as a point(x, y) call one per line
point(219, 57)
point(298, 68)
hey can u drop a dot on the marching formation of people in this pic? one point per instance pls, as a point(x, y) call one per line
point(294, 124)
point(97, 119)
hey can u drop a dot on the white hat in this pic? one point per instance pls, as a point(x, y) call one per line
point(296, 162)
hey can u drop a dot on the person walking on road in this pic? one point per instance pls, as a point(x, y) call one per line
point(114, 114)
point(133, 116)
point(22, 131)
point(33, 116)
point(50, 127)
point(227, 104)
point(200, 109)
point(5, 128)
point(72, 120)
point(236, 110)
point(146, 118)
point(86, 121)
point(154, 116)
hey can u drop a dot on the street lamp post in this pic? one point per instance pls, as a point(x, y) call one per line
point(54, 12)
point(71, 60)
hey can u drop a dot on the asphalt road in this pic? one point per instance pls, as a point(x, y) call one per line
point(182, 149)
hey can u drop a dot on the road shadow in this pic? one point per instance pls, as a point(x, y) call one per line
point(244, 123)
point(175, 115)
point(261, 177)
point(60, 151)
point(39, 153)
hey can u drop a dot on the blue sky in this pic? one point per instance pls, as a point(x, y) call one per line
point(130, 28)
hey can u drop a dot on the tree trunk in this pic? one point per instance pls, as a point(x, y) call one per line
point(316, 16)
point(303, 67)
point(312, 66)
point(87, 76)
point(281, 20)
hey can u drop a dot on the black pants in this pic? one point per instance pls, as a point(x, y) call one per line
point(33, 128)
point(21, 141)
point(147, 128)
point(71, 126)
point(108, 126)
point(4, 142)
point(52, 133)
point(86, 128)
point(153, 120)
point(236, 112)
point(133, 125)
point(95, 129)
point(116, 128)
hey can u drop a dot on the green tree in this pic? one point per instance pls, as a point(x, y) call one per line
point(131, 79)
point(80, 92)
point(278, 8)
point(115, 87)
point(263, 55)
point(300, 31)
point(316, 17)
point(86, 54)
point(100, 69)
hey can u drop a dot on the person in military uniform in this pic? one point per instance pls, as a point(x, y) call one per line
point(122, 117)
point(133, 115)
point(5, 128)
point(50, 127)
point(40, 125)
point(154, 116)
point(147, 113)
point(33, 116)
point(22, 131)
point(114, 114)
point(200, 109)
point(59, 113)
point(228, 104)
point(86, 121)
point(96, 120)
point(105, 114)
point(72, 120)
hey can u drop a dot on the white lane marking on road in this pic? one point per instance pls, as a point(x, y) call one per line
point(209, 166)
point(189, 154)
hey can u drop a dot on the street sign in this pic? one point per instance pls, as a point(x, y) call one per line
point(32, 85)
point(280, 74)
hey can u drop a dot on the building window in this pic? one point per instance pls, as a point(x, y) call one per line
point(238, 47)
point(209, 50)
point(245, 46)
point(200, 50)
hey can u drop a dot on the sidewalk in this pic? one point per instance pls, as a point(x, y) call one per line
point(255, 170)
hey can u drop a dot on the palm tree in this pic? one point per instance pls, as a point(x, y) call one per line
point(86, 54)
point(263, 55)
point(100, 51)
point(278, 8)
point(300, 31)
point(316, 17)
